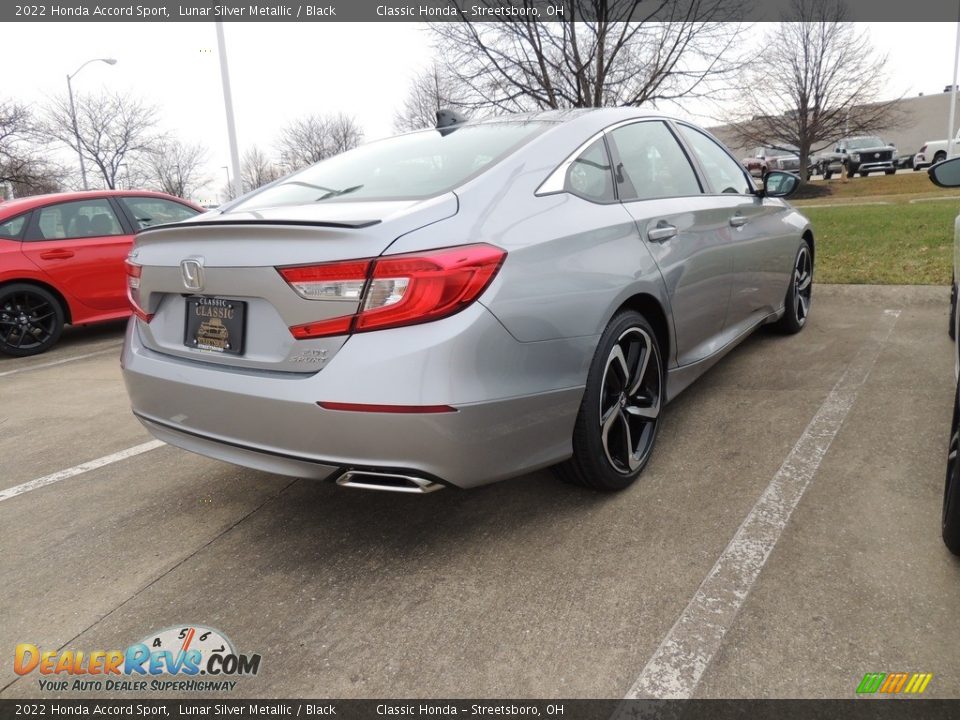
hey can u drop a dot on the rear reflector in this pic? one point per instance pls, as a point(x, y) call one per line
point(395, 290)
point(134, 272)
point(404, 409)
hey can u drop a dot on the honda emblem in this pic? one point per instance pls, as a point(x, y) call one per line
point(191, 270)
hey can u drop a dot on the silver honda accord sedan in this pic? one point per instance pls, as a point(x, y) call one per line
point(463, 304)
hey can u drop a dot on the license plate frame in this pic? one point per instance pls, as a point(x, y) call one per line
point(215, 324)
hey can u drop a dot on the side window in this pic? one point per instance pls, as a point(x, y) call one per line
point(79, 219)
point(148, 211)
point(723, 172)
point(651, 163)
point(589, 174)
point(12, 228)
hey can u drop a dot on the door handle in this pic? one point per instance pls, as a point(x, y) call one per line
point(56, 254)
point(738, 221)
point(662, 232)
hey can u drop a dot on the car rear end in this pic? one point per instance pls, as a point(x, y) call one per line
point(290, 339)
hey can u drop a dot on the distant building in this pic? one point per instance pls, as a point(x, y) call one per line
point(925, 117)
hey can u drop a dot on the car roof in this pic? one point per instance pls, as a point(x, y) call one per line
point(605, 115)
point(16, 206)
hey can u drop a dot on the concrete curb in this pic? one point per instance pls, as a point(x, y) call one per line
point(886, 294)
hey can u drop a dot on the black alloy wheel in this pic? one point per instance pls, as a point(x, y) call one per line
point(950, 519)
point(619, 416)
point(799, 293)
point(31, 320)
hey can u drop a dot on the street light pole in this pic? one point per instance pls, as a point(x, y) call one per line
point(73, 114)
point(227, 171)
point(228, 107)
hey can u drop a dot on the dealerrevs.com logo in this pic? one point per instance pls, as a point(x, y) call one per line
point(182, 658)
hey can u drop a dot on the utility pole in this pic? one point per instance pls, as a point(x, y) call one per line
point(228, 107)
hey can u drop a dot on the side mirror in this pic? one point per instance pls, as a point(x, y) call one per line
point(780, 184)
point(946, 173)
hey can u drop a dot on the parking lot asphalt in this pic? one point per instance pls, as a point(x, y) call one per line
point(527, 588)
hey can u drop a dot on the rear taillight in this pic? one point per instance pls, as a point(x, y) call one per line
point(396, 290)
point(133, 290)
point(334, 281)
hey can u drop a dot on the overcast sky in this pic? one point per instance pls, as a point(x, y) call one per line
point(280, 71)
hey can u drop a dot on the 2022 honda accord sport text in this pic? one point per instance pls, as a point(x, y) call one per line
point(463, 304)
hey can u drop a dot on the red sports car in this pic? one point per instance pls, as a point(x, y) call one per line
point(62, 260)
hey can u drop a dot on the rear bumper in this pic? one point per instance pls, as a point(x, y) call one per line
point(272, 422)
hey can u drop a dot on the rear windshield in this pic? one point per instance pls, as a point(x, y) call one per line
point(407, 167)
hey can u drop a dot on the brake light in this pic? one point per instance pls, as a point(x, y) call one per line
point(134, 272)
point(396, 290)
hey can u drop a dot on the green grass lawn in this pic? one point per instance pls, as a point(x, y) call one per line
point(896, 243)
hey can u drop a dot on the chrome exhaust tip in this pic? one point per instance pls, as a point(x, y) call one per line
point(390, 482)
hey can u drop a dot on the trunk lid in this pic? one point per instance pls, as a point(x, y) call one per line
point(238, 254)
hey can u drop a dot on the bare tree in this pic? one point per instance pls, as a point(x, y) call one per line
point(256, 169)
point(23, 164)
point(176, 167)
point(115, 129)
point(817, 80)
point(432, 90)
point(313, 138)
point(608, 52)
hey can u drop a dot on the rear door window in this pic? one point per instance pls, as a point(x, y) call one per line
point(78, 219)
point(651, 163)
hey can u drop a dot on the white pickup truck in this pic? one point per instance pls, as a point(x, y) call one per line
point(934, 151)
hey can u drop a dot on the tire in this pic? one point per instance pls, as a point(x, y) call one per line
point(31, 320)
point(952, 330)
point(799, 293)
point(863, 173)
point(619, 415)
point(850, 172)
point(950, 519)
point(827, 173)
point(939, 157)
point(889, 172)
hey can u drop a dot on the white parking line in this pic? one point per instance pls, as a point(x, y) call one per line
point(78, 469)
point(28, 368)
point(684, 654)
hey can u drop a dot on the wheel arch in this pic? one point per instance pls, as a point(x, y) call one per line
point(808, 236)
point(650, 307)
point(64, 304)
